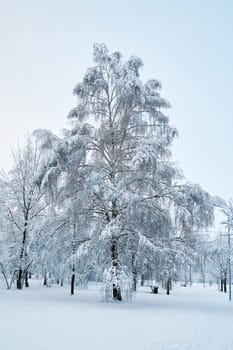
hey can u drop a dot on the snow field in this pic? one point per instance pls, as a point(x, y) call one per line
point(41, 318)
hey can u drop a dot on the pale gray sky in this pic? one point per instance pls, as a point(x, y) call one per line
point(46, 46)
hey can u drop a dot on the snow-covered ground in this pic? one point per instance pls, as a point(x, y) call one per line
point(41, 318)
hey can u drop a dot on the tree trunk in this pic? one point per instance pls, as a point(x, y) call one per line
point(225, 282)
point(134, 280)
point(134, 273)
point(72, 281)
point(19, 279)
point(45, 278)
point(142, 280)
point(116, 290)
point(26, 280)
point(20, 276)
point(168, 286)
point(72, 284)
point(221, 283)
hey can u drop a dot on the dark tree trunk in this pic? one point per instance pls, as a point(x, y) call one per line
point(19, 279)
point(134, 273)
point(116, 290)
point(168, 286)
point(72, 284)
point(61, 282)
point(221, 284)
point(72, 281)
point(26, 279)
point(45, 278)
point(225, 282)
point(20, 276)
point(134, 281)
point(142, 280)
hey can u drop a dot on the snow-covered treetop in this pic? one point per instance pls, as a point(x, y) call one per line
point(112, 83)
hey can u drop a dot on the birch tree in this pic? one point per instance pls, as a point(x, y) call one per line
point(131, 179)
point(24, 205)
point(113, 169)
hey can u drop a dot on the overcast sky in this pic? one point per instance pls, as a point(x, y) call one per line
point(46, 46)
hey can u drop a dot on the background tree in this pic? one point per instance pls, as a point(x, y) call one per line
point(24, 205)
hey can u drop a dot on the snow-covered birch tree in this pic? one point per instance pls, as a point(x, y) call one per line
point(131, 177)
point(112, 176)
point(24, 205)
